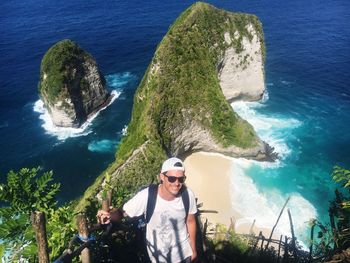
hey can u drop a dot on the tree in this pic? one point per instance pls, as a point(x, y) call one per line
point(333, 238)
point(340, 208)
point(29, 195)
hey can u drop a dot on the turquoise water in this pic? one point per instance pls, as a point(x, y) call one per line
point(260, 189)
point(310, 134)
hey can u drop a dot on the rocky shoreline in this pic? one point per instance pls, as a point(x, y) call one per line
point(103, 105)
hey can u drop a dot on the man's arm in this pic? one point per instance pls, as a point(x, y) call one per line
point(192, 228)
point(134, 207)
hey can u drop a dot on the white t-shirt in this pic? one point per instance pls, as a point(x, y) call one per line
point(166, 233)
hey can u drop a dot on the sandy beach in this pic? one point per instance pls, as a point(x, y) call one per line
point(209, 176)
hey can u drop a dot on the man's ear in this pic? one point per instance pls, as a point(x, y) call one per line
point(161, 177)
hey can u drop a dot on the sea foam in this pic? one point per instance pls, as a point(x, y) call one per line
point(63, 133)
point(272, 129)
point(103, 146)
point(264, 205)
point(119, 80)
point(124, 131)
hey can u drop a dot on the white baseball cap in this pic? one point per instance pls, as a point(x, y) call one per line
point(172, 163)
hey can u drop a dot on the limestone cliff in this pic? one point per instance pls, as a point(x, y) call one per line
point(180, 107)
point(241, 72)
point(71, 84)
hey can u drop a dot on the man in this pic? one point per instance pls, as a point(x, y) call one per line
point(170, 232)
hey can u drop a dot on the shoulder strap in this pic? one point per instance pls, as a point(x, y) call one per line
point(152, 198)
point(151, 202)
point(186, 200)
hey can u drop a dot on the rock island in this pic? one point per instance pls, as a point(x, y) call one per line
point(71, 85)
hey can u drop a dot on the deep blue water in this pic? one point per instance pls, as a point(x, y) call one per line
point(307, 76)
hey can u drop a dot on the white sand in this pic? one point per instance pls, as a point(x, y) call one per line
point(208, 175)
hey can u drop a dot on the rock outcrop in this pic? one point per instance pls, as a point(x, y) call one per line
point(194, 138)
point(207, 49)
point(71, 85)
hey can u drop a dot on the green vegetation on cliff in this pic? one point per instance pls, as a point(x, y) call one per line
point(182, 80)
point(181, 87)
point(56, 69)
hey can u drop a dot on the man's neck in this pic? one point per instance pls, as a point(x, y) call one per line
point(163, 193)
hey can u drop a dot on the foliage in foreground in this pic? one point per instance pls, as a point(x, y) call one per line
point(334, 237)
point(125, 244)
point(26, 191)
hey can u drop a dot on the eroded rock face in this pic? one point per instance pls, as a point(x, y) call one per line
point(71, 84)
point(241, 74)
point(194, 138)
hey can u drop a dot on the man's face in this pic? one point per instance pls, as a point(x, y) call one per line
point(172, 187)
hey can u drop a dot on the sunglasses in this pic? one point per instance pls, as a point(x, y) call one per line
point(172, 179)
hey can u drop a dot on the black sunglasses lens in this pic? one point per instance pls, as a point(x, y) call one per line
point(172, 179)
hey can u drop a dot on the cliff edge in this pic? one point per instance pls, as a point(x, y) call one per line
point(71, 85)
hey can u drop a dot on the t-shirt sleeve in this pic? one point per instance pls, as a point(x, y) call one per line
point(193, 206)
point(136, 206)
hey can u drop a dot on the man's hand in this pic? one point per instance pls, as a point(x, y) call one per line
point(113, 215)
point(103, 217)
point(194, 256)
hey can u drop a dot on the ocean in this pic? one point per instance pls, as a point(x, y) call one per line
point(305, 113)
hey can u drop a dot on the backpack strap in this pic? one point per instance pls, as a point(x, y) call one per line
point(151, 202)
point(152, 198)
point(186, 200)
